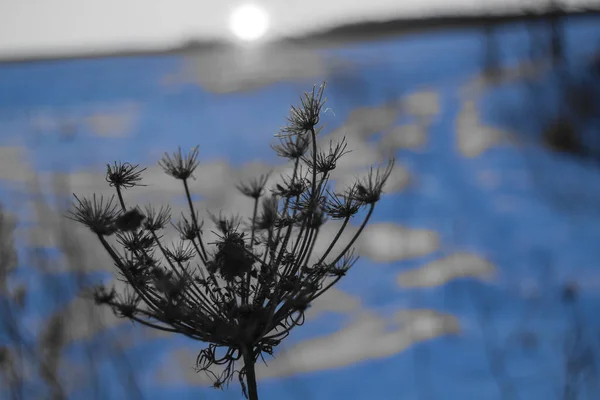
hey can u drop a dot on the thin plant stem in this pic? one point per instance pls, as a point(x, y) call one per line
point(204, 256)
point(249, 366)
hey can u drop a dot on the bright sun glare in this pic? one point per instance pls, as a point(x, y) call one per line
point(249, 22)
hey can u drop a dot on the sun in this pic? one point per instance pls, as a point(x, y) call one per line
point(249, 22)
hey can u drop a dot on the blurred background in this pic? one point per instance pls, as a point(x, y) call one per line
point(479, 275)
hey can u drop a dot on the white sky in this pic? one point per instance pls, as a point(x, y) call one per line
point(29, 27)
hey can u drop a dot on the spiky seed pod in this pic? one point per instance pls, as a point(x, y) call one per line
point(340, 268)
point(327, 161)
point(187, 229)
point(289, 188)
point(269, 216)
point(126, 306)
point(306, 116)
point(178, 165)
point(226, 224)
point(370, 189)
point(157, 219)
point(255, 188)
point(180, 252)
point(97, 214)
point(341, 206)
point(124, 175)
point(132, 242)
point(292, 147)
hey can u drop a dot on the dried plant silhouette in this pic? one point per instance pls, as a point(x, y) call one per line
point(33, 363)
point(559, 113)
point(245, 292)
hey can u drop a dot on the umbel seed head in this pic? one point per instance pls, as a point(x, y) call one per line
point(98, 214)
point(255, 189)
point(305, 117)
point(244, 292)
point(124, 175)
point(178, 165)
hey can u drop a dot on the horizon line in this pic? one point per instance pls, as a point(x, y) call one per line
point(338, 35)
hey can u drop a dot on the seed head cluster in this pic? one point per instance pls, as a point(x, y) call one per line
point(245, 292)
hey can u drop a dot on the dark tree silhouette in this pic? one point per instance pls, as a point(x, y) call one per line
point(245, 294)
